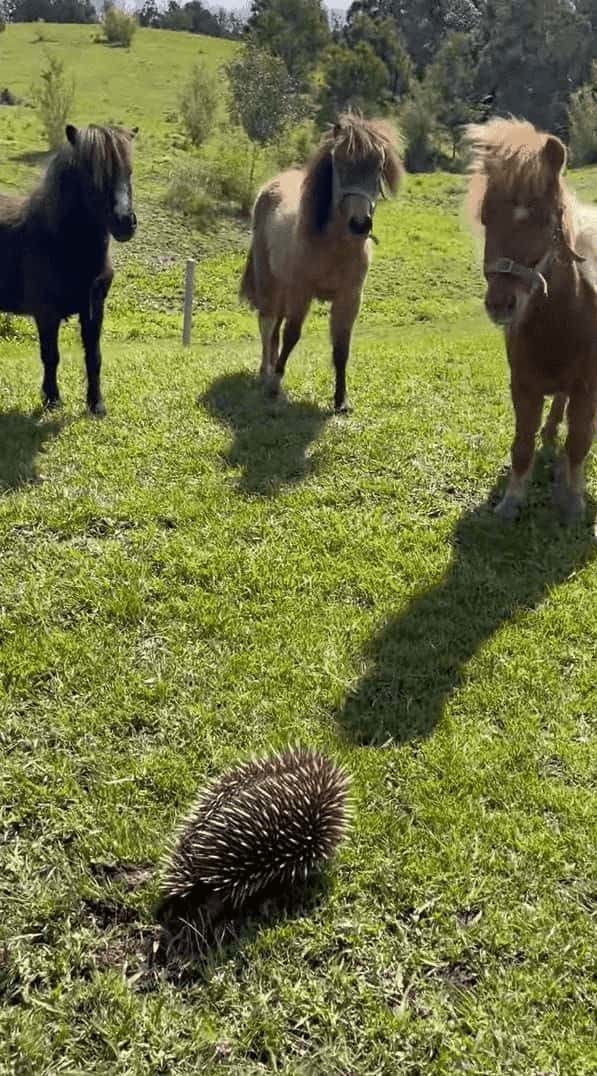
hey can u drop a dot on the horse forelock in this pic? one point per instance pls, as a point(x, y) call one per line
point(359, 140)
point(352, 140)
point(508, 156)
point(104, 151)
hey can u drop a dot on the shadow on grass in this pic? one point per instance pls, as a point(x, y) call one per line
point(191, 949)
point(21, 439)
point(184, 946)
point(496, 573)
point(271, 438)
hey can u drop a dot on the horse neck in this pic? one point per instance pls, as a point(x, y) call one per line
point(68, 215)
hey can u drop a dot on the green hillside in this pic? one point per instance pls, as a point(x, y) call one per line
point(205, 574)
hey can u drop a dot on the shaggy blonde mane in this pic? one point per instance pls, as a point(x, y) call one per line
point(520, 161)
point(510, 155)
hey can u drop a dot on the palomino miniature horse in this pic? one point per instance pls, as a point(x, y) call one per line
point(54, 257)
point(540, 264)
point(311, 233)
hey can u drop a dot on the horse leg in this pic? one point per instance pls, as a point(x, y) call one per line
point(48, 325)
point(269, 328)
point(528, 405)
point(549, 432)
point(569, 486)
point(91, 320)
point(290, 338)
point(342, 318)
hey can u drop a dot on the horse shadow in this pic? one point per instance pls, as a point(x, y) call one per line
point(496, 573)
point(271, 438)
point(21, 440)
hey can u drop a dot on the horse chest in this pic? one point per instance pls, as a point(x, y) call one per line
point(339, 270)
point(553, 353)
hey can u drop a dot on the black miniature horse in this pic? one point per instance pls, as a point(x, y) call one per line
point(54, 246)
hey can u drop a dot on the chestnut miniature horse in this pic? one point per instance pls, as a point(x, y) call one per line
point(540, 265)
point(311, 230)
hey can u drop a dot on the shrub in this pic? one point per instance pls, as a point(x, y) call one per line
point(296, 145)
point(418, 124)
point(224, 175)
point(2, 24)
point(198, 105)
point(54, 97)
point(582, 116)
point(186, 191)
point(119, 28)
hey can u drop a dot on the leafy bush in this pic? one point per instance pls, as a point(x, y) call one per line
point(296, 145)
point(225, 175)
point(352, 78)
point(54, 97)
point(186, 191)
point(582, 116)
point(418, 124)
point(119, 28)
point(2, 24)
point(198, 104)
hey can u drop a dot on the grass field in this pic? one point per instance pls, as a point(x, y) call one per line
point(205, 574)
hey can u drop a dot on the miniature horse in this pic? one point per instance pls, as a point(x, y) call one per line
point(540, 264)
point(311, 230)
point(54, 256)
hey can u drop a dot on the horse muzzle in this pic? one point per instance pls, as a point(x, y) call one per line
point(123, 227)
point(361, 227)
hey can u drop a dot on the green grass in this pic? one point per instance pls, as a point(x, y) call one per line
point(203, 575)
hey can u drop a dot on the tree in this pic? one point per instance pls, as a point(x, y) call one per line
point(51, 10)
point(582, 118)
point(423, 24)
point(383, 37)
point(54, 97)
point(451, 77)
point(535, 54)
point(149, 14)
point(263, 99)
point(296, 31)
point(352, 78)
point(198, 104)
point(418, 123)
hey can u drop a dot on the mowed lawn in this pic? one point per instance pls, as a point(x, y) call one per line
point(205, 574)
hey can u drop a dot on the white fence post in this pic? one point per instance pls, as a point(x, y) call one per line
point(188, 302)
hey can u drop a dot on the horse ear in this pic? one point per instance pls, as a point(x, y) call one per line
point(554, 153)
point(134, 131)
point(71, 134)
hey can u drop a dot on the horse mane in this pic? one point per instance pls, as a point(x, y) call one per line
point(357, 139)
point(98, 153)
point(516, 158)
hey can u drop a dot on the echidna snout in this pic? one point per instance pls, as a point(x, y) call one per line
point(259, 830)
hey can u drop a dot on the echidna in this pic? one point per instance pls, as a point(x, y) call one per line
point(257, 831)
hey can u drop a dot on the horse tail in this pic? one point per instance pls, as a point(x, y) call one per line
point(258, 282)
point(248, 284)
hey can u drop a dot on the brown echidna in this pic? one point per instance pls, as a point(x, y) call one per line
point(257, 831)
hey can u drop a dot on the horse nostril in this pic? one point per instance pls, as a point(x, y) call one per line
point(360, 227)
point(133, 220)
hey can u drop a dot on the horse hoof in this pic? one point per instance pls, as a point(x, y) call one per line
point(273, 387)
point(51, 403)
point(97, 410)
point(571, 507)
point(508, 509)
point(342, 408)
